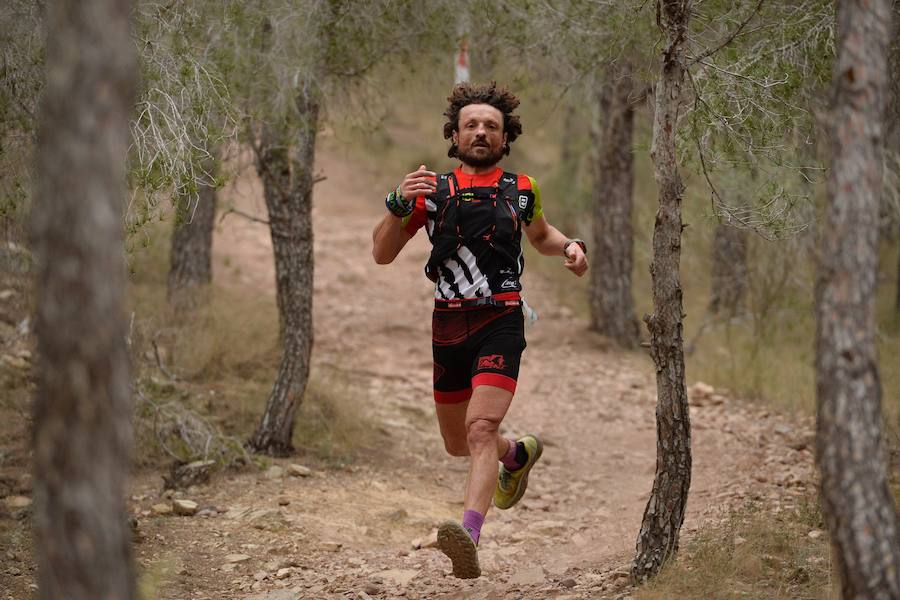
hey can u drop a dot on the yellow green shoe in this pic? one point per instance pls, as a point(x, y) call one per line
point(511, 485)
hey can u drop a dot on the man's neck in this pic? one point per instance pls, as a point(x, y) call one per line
point(471, 170)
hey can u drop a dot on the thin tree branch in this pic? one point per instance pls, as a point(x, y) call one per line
point(738, 75)
point(714, 192)
point(728, 39)
point(641, 97)
point(240, 213)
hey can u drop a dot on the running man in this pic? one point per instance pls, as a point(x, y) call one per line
point(474, 217)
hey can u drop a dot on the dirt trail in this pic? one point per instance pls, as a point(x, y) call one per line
point(349, 533)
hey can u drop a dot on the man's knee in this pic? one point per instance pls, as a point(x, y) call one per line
point(481, 432)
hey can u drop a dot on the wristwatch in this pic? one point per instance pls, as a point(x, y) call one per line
point(574, 241)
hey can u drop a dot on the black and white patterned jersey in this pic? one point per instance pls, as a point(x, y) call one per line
point(482, 255)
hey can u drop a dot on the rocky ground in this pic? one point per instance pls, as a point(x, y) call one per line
point(367, 530)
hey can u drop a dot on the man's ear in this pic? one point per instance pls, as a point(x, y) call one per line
point(504, 138)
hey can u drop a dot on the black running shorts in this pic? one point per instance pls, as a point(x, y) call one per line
point(475, 346)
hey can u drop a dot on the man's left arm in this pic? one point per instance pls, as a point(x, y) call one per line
point(549, 241)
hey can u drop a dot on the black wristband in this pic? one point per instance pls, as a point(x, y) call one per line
point(574, 241)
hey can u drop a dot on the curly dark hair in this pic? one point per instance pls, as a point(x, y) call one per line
point(469, 93)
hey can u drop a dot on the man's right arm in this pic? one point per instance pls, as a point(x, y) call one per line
point(388, 239)
point(392, 232)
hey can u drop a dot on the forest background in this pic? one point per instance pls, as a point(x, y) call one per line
point(380, 102)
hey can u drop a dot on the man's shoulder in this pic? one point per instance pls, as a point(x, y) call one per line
point(508, 177)
point(522, 180)
point(526, 182)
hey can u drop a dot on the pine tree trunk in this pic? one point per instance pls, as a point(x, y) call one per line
point(729, 269)
point(897, 299)
point(611, 302)
point(287, 174)
point(850, 450)
point(664, 514)
point(82, 409)
point(190, 262)
point(892, 145)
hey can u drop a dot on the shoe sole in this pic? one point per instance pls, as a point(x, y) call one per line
point(523, 482)
point(455, 542)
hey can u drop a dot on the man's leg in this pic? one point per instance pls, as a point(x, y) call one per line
point(486, 410)
point(492, 373)
point(452, 422)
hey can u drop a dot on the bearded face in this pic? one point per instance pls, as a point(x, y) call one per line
point(480, 139)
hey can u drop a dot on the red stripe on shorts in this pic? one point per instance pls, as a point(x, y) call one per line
point(496, 380)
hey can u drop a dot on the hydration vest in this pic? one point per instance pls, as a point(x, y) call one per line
point(477, 216)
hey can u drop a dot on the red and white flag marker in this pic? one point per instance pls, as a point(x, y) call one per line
point(462, 62)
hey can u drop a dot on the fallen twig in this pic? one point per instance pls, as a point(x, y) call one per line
point(159, 362)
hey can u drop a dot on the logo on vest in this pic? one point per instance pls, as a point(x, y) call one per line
point(523, 201)
point(508, 284)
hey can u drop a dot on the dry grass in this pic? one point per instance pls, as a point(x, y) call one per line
point(768, 353)
point(234, 334)
point(331, 424)
point(752, 554)
point(210, 373)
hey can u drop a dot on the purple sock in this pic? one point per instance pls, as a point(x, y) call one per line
point(509, 459)
point(472, 522)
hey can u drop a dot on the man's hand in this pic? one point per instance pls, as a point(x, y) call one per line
point(418, 183)
point(576, 261)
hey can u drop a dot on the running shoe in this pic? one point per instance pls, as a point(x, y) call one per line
point(511, 485)
point(457, 544)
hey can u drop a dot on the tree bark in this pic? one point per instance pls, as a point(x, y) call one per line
point(892, 140)
point(897, 298)
point(850, 450)
point(190, 262)
point(82, 409)
point(286, 169)
point(611, 302)
point(664, 514)
point(729, 269)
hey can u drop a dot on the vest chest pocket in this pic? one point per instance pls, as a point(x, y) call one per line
point(492, 219)
point(477, 218)
point(506, 218)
